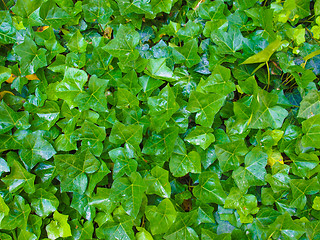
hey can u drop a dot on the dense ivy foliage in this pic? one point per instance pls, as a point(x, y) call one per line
point(159, 119)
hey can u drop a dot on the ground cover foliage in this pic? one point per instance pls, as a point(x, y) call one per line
point(159, 119)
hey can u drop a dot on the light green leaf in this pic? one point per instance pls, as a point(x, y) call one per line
point(77, 43)
point(201, 136)
point(43, 202)
point(58, 227)
point(310, 105)
point(182, 162)
point(161, 217)
point(129, 191)
point(209, 189)
point(99, 10)
point(206, 106)
point(311, 130)
point(158, 182)
point(123, 45)
point(187, 54)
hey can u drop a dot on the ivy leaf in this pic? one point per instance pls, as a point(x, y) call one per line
point(218, 82)
point(97, 10)
point(35, 149)
point(131, 134)
point(206, 106)
point(73, 170)
point(162, 107)
point(126, 99)
point(32, 58)
point(123, 45)
point(161, 6)
point(285, 228)
point(77, 43)
point(209, 189)
point(4, 209)
point(81, 231)
point(9, 118)
point(254, 172)
point(157, 68)
point(123, 164)
point(58, 227)
point(182, 162)
point(158, 182)
point(245, 204)
point(18, 214)
point(161, 144)
point(129, 191)
point(187, 54)
point(121, 228)
point(310, 105)
point(228, 42)
point(201, 136)
point(95, 98)
point(161, 217)
point(71, 85)
point(311, 130)
point(300, 188)
point(19, 178)
point(265, 111)
point(138, 6)
point(43, 202)
point(279, 178)
point(91, 137)
point(230, 155)
point(7, 29)
point(25, 8)
point(265, 54)
point(182, 228)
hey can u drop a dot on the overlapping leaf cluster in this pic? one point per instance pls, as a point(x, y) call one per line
point(159, 119)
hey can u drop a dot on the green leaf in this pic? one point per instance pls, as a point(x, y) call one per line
point(73, 170)
point(99, 10)
point(182, 162)
point(228, 42)
point(279, 179)
point(58, 227)
point(254, 172)
point(95, 98)
point(182, 228)
point(206, 106)
point(91, 137)
point(138, 7)
point(310, 105)
point(218, 82)
point(157, 68)
point(161, 6)
point(43, 202)
point(131, 134)
point(126, 99)
point(162, 143)
point(19, 178)
point(18, 214)
point(265, 54)
point(303, 164)
point(4, 209)
point(316, 203)
point(71, 85)
point(25, 8)
point(121, 228)
point(265, 112)
point(77, 43)
point(158, 182)
point(161, 217)
point(7, 29)
point(300, 188)
point(123, 163)
point(162, 107)
point(35, 149)
point(285, 228)
point(32, 58)
point(187, 54)
point(123, 45)
point(201, 136)
point(9, 118)
point(129, 191)
point(311, 130)
point(209, 189)
point(245, 204)
point(230, 155)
